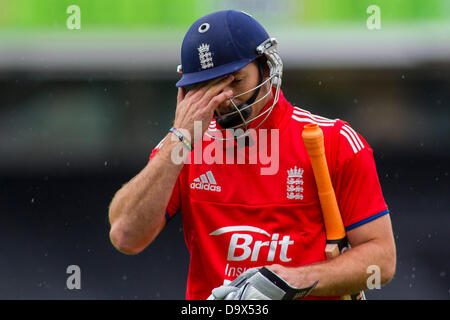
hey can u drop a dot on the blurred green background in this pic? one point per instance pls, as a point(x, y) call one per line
point(148, 33)
point(81, 110)
point(129, 15)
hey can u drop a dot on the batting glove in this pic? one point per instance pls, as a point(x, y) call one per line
point(259, 284)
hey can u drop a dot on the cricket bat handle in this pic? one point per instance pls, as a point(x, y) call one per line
point(313, 139)
point(334, 227)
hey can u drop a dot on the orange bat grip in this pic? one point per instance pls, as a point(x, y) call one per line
point(313, 139)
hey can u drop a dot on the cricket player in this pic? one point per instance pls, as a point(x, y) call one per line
point(245, 188)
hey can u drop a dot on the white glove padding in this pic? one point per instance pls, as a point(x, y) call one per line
point(259, 284)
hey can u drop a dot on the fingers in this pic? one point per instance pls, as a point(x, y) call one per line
point(211, 88)
point(217, 100)
point(217, 88)
point(197, 90)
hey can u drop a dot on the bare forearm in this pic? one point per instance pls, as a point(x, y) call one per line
point(348, 273)
point(345, 274)
point(137, 210)
point(373, 246)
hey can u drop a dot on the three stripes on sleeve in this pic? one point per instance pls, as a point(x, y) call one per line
point(346, 131)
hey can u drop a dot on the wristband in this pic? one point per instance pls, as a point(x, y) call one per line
point(182, 138)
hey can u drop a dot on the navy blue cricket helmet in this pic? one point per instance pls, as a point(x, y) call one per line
point(217, 44)
point(221, 43)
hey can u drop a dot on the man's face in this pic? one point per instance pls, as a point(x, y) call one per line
point(245, 79)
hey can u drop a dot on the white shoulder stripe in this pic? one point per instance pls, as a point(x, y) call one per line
point(299, 111)
point(301, 115)
point(356, 135)
point(312, 117)
point(350, 141)
point(352, 136)
point(305, 119)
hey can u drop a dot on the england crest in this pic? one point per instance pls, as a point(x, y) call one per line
point(294, 184)
point(205, 56)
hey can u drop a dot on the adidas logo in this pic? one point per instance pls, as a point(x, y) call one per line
point(206, 182)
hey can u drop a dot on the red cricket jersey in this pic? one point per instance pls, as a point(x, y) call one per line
point(235, 217)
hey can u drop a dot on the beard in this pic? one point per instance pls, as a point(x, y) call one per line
point(232, 118)
point(223, 112)
point(225, 108)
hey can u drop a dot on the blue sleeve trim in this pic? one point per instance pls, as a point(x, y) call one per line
point(364, 221)
point(168, 218)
